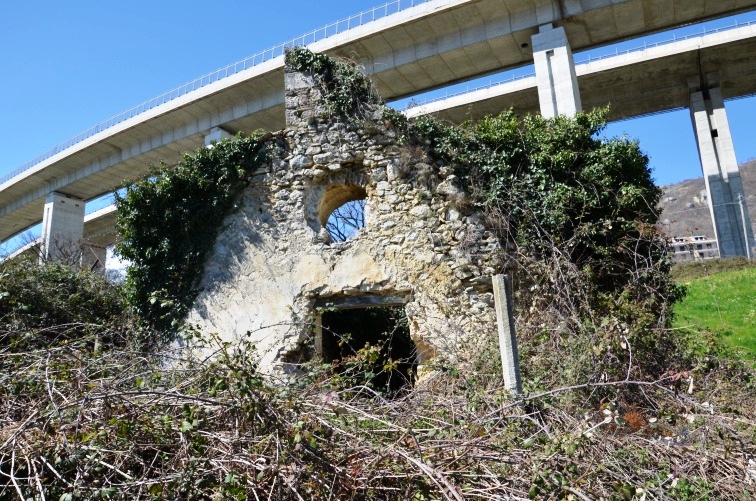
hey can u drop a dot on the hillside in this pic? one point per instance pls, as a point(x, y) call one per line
point(685, 209)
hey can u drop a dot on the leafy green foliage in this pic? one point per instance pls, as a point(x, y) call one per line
point(577, 216)
point(169, 221)
point(41, 302)
point(345, 88)
point(557, 186)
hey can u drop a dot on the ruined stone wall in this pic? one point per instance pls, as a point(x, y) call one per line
point(273, 262)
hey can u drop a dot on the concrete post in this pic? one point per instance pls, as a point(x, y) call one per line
point(744, 219)
point(558, 91)
point(510, 359)
point(721, 173)
point(216, 134)
point(62, 228)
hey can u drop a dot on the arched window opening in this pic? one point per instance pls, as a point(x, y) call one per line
point(342, 211)
point(346, 221)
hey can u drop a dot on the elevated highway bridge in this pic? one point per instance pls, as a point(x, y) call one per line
point(637, 82)
point(422, 46)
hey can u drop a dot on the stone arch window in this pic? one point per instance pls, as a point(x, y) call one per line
point(342, 211)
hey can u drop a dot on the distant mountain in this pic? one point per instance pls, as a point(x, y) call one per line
point(685, 209)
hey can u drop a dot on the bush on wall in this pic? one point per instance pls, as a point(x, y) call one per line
point(169, 220)
point(578, 215)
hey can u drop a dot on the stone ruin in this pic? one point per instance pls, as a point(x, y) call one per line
point(274, 265)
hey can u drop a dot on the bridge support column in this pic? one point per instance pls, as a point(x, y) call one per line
point(558, 91)
point(216, 134)
point(62, 228)
point(720, 169)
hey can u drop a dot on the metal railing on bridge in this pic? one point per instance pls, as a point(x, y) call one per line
point(580, 59)
point(258, 58)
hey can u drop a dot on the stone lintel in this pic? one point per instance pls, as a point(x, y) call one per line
point(363, 301)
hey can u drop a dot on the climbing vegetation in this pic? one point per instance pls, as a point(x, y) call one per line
point(576, 214)
point(553, 185)
point(345, 89)
point(169, 220)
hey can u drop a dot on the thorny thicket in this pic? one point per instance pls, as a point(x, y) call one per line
point(115, 425)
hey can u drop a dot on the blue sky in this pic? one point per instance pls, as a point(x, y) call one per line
point(69, 65)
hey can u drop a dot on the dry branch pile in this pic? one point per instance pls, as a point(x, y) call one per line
point(84, 425)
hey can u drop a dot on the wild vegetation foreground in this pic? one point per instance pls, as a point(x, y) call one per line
point(88, 417)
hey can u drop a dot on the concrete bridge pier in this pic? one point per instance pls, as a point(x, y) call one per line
point(721, 173)
point(558, 92)
point(216, 134)
point(62, 228)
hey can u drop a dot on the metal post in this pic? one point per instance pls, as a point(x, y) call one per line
point(510, 362)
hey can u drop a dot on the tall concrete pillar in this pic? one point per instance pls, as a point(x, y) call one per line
point(62, 228)
point(216, 134)
point(721, 174)
point(558, 91)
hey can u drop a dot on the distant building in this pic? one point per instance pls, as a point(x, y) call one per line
point(694, 248)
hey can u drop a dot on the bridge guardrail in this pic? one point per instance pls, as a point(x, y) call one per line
point(585, 59)
point(329, 30)
point(706, 31)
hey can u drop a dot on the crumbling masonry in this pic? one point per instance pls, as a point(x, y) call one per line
point(273, 264)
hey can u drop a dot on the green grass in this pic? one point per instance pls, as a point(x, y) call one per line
point(724, 303)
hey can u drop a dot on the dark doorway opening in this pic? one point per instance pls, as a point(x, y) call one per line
point(375, 340)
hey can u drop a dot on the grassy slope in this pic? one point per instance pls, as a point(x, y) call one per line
point(723, 302)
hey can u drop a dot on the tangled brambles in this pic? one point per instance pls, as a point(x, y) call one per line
point(119, 426)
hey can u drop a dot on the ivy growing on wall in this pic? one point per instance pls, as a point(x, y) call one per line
point(169, 220)
point(344, 86)
point(551, 188)
point(577, 214)
point(557, 184)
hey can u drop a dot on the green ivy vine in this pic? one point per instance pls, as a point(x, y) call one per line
point(169, 220)
point(557, 184)
point(344, 86)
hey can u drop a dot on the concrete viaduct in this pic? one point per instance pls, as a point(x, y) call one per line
point(423, 46)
